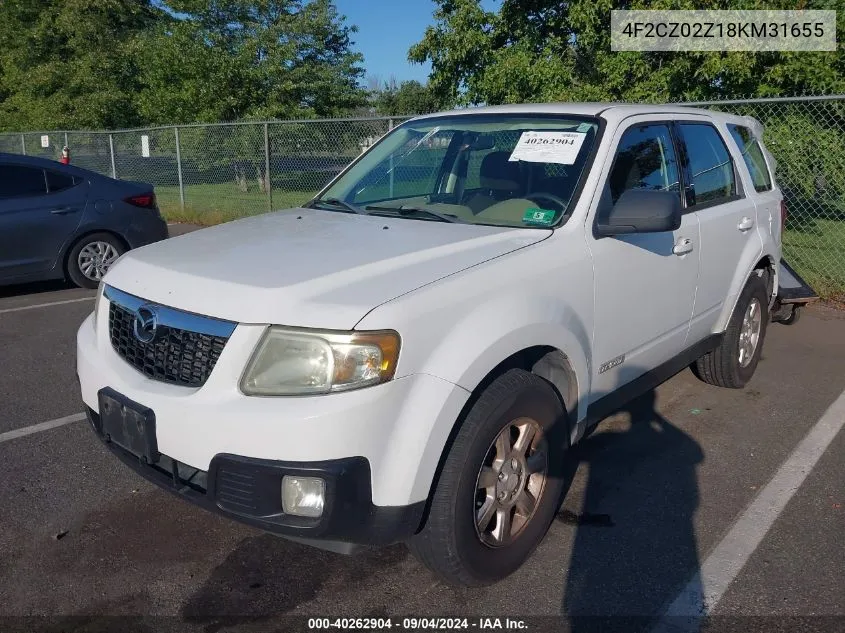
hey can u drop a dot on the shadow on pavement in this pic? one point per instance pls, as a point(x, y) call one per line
point(33, 288)
point(635, 544)
point(266, 576)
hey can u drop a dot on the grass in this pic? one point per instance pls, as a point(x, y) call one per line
point(818, 254)
point(211, 204)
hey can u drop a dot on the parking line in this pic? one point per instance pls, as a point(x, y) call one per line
point(41, 426)
point(704, 591)
point(45, 305)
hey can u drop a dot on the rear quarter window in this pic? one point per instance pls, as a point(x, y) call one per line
point(753, 157)
point(59, 182)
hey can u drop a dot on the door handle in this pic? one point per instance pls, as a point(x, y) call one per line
point(682, 246)
point(63, 210)
point(745, 224)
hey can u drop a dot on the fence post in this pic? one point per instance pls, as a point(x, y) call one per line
point(23, 145)
point(179, 169)
point(66, 145)
point(111, 151)
point(389, 124)
point(267, 179)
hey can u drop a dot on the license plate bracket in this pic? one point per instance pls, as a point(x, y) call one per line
point(128, 424)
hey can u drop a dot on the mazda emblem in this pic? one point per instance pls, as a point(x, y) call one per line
point(145, 324)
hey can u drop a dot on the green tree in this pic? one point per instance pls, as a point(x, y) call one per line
point(231, 59)
point(548, 50)
point(407, 97)
point(69, 63)
point(118, 63)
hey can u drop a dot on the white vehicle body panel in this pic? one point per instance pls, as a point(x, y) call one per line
point(195, 424)
point(305, 267)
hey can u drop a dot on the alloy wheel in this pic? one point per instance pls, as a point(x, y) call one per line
point(95, 259)
point(511, 482)
point(749, 332)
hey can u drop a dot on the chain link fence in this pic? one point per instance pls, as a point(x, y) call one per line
point(218, 172)
point(214, 173)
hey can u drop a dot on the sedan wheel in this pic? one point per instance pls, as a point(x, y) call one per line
point(92, 257)
point(95, 258)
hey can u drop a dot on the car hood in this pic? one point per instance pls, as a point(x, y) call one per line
point(307, 267)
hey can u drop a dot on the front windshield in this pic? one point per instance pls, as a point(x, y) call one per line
point(505, 170)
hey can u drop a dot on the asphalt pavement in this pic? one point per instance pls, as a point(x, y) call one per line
point(661, 495)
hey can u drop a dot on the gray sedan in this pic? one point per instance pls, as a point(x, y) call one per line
point(60, 221)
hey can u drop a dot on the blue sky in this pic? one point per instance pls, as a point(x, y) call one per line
point(387, 29)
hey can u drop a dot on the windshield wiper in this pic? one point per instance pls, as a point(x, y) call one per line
point(418, 211)
point(337, 202)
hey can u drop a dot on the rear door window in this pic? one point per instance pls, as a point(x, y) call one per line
point(752, 154)
point(19, 181)
point(710, 165)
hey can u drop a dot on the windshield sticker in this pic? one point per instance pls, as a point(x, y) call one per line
point(584, 127)
point(543, 217)
point(548, 147)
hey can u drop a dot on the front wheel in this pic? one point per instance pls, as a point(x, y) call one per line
point(733, 363)
point(500, 486)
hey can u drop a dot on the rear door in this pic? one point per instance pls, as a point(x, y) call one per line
point(39, 212)
point(766, 196)
point(727, 216)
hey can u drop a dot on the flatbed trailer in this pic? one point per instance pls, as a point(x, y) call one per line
point(793, 294)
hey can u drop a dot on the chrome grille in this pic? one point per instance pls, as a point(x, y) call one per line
point(183, 349)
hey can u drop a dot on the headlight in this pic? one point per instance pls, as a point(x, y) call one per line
point(100, 289)
point(292, 362)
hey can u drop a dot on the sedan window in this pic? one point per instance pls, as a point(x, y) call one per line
point(17, 181)
point(58, 182)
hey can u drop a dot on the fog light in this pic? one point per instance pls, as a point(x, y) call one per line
point(303, 496)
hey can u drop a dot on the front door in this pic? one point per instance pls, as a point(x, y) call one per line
point(644, 283)
point(39, 211)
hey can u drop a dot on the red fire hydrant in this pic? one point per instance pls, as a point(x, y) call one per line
point(65, 159)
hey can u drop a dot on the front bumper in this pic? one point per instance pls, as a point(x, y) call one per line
point(399, 428)
point(249, 490)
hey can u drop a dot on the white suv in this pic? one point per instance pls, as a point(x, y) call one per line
point(409, 356)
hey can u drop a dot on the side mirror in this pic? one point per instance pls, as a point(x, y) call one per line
point(641, 211)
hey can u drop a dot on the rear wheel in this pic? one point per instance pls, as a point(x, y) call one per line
point(733, 363)
point(500, 485)
point(91, 257)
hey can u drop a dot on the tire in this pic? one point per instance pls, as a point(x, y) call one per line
point(793, 317)
point(729, 365)
point(451, 543)
point(103, 245)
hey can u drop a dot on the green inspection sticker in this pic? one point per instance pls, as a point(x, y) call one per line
point(534, 215)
